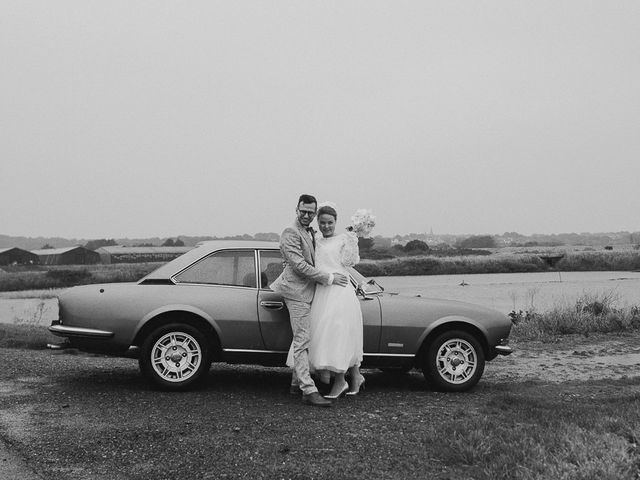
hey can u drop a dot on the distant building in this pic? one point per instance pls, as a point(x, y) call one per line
point(17, 256)
point(121, 254)
point(67, 256)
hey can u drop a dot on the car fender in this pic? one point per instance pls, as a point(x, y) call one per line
point(452, 319)
point(177, 307)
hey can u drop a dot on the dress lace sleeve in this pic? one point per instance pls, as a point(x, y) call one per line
point(349, 253)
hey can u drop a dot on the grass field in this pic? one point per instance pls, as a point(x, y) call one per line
point(508, 261)
point(501, 261)
point(60, 276)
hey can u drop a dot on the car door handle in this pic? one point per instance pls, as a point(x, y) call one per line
point(272, 305)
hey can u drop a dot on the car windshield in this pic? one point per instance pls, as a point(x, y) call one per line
point(369, 286)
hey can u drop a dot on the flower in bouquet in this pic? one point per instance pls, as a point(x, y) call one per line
point(362, 222)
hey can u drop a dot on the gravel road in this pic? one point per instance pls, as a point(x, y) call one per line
point(77, 416)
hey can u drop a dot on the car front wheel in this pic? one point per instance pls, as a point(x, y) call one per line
point(175, 356)
point(454, 361)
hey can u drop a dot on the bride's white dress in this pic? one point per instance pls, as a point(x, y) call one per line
point(336, 318)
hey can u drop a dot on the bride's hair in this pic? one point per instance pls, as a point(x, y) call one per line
point(328, 210)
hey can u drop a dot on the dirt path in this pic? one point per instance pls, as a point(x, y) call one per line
point(13, 467)
point(573, 358)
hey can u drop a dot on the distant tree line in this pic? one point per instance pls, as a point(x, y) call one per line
point(170, 242)
point(102, 242)
point(397, 243)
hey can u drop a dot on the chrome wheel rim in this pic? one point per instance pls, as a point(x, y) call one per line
point(456, 361)
point(176, 356)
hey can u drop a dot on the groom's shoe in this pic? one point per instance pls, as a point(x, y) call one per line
point(316, 400)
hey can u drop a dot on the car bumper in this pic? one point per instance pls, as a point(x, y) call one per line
point(65, 331)
point(503, 350)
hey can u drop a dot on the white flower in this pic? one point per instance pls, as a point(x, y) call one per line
point(362, 222)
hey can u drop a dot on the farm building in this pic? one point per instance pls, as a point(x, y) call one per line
point(67, 256)
point(121, 254)
point(17, 256)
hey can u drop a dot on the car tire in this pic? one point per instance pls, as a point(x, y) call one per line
point(175, 356)
point(454, 361)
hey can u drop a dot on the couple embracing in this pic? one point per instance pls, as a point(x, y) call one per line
point(324, 312)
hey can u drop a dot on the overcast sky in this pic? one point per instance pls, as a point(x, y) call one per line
point(161, 118)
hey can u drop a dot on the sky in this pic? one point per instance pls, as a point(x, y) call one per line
point(165, 118)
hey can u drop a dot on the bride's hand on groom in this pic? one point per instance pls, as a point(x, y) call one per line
point(340, 279)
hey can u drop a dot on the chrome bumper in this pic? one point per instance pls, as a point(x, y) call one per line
point(503, 350)
point(64, 331)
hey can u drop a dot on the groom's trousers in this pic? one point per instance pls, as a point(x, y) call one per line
point(299, 315)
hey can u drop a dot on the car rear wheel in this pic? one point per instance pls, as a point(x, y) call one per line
point(175, 356)
point(454, 361)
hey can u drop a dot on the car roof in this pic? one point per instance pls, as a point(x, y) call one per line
point(202, 250)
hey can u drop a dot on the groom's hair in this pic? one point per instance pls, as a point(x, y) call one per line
point(304, 198)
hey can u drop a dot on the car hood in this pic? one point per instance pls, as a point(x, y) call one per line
point(419, 308)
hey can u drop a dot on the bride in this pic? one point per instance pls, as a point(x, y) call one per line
point(336, 319)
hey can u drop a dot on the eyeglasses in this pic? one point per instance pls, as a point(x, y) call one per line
point(304, 213)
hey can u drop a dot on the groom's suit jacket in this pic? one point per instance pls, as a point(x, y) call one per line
point(299, 277)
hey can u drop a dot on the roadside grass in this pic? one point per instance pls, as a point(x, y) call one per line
point(42, 294)
point(35, 337)
point(436, 265)
point(41, 277)
point(547, 431)
point(501, 262)
point(592, 313)
point(527, 431)
point(602, 261)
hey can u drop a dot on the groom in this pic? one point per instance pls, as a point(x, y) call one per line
point(297, 284)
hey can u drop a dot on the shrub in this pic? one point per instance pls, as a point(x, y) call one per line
point(417, 246)
point(600, 261)
point(591, 314)
point(377, 254)
point(370, 269)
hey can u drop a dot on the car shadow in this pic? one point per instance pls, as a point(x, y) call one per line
point(241, 379)
point(248, 378)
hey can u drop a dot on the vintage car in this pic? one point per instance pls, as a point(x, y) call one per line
point(214, 304)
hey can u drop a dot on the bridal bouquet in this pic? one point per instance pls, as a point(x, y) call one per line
point(362, 222)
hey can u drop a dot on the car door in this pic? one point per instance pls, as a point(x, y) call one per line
point(223, 285)
point(274, 316)
point(371, 322)
point(369, 297)
point(272, 312)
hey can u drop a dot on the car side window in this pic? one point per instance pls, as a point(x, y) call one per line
point(222, 268)
point(271, 266)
